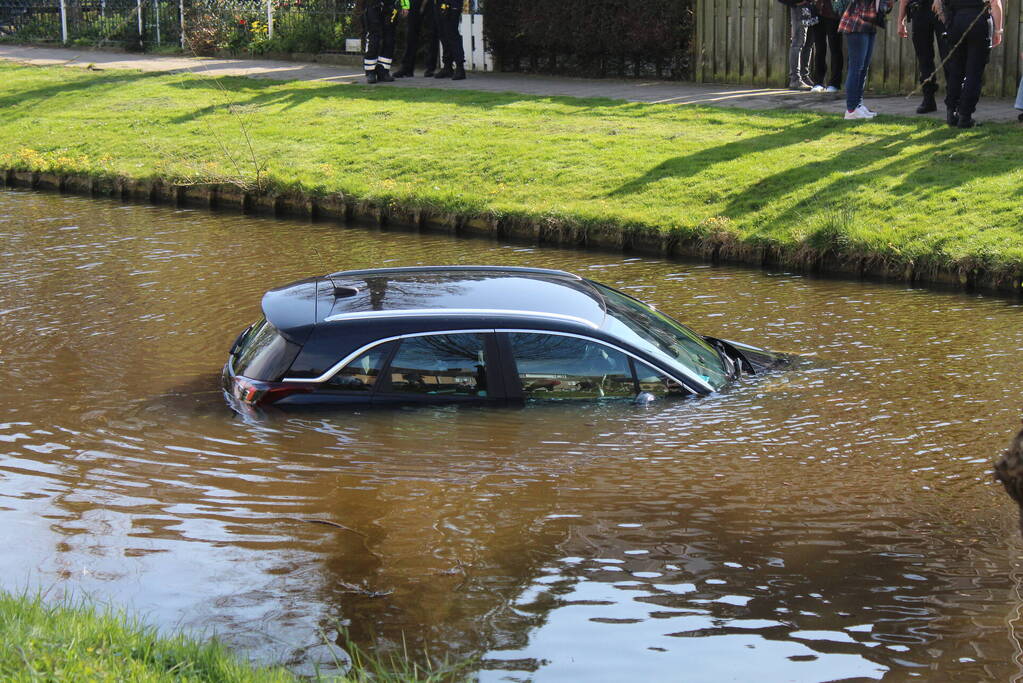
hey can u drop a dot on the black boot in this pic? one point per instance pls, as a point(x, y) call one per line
point(952, 118)
point(459, 74)
point(967, 122)
point(446, 72)
point(383, 75)
point(928, 105)
point(371, 75)
point(403, 73)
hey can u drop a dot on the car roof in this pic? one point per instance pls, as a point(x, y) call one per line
point(451, 291)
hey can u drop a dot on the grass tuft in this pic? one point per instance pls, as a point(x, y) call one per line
point(68, 641)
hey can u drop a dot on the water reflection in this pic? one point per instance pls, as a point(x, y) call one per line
point(834, 522)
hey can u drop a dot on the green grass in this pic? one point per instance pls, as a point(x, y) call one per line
point(76, 642)
point(900, 190)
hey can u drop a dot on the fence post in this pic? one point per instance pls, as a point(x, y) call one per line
point(156, 14)
point(63, 21)
point(142, 41)
point(269, 19)
point(181, 21)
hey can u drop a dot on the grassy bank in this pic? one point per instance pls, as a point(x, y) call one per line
point(65, 642)
point(899, 191)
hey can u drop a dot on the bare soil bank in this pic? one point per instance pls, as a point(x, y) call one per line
point(716, 247)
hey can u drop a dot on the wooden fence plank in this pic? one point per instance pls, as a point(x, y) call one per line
point(762, 42)
point(746, 42)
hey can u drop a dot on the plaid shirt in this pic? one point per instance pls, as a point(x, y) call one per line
point(861, 16)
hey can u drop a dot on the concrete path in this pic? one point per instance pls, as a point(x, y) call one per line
point(663, 92)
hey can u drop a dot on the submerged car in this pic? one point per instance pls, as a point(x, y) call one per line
point(472, 334)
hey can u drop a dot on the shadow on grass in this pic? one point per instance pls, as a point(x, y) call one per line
point(859, 173)
point(83, 81)
point(944, 161)
point(692, 164)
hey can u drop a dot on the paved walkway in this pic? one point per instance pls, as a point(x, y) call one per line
point(663, 92)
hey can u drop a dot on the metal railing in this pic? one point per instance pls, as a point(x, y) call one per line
point(201, 26)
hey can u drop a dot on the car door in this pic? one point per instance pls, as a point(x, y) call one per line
point(449, 367)
point(556, 366)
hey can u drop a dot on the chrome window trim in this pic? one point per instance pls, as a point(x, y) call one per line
point(431, 312)
point(334, 369)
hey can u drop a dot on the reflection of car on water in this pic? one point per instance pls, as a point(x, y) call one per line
point(465, 334)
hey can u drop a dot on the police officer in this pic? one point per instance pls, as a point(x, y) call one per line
point(925, 29)
point(421, 15)
point(379, 18)
point(974, 27)
point(449, 17)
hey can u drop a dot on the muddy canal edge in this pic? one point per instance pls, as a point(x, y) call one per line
point(716, 247)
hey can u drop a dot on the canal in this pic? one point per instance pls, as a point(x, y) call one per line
point(837, 521)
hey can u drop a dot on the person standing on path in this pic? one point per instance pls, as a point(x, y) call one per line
point(449, 18)
point(379, 19)
point(860, 21)
point(421, 15)
point(799, 46)
point(925, 29)
point(974, 27)
point(826, 39)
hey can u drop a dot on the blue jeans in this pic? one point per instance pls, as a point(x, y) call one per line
point(1019, 95)
point(860, 47)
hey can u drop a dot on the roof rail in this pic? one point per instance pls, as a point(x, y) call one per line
point(460, 312)
point(456, 269)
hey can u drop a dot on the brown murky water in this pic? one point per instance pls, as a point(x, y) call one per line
point(835, 522)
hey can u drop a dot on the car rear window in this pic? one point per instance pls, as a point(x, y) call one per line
point(263, 353)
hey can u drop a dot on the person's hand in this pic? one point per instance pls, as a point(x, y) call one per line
point(903, 29)
point(939, 10)
point(404, 13)
point(996, 39)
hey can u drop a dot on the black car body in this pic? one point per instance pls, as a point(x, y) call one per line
point(452, 334)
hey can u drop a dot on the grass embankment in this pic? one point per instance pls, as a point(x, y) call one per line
point(67, 642)
point(900, 192)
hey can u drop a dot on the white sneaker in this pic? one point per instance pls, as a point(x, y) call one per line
point(817, 88)
point(857, 114)
point(831, 88)
point(862, 108)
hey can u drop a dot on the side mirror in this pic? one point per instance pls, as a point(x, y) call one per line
point(644, 397)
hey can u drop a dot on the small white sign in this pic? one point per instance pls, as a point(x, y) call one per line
point(353, 45)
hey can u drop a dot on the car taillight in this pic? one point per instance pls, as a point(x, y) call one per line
point(255, 392)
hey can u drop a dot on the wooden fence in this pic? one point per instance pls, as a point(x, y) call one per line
point(747, 42)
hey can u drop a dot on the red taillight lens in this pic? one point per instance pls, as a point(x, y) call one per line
point(255, 392)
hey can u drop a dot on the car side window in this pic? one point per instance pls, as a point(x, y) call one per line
point(553, 366)
point(362, 373)
point(656, 382)
point(440, 365)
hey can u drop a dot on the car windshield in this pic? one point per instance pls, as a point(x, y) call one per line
point(656, 333)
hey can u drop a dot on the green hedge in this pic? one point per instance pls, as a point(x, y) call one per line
point(592, 38)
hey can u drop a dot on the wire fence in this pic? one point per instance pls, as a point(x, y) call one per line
point(199, 26)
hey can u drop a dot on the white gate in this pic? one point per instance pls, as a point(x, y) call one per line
point(477, 58)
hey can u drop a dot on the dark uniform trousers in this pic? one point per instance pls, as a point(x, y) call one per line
point(379, 19)
point(421, 15)
point(967, 61)
point(449, 19)
point(925, 29)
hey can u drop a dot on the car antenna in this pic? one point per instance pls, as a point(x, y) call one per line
point(339, 290)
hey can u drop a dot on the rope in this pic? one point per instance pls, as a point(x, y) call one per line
point(951, 51)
